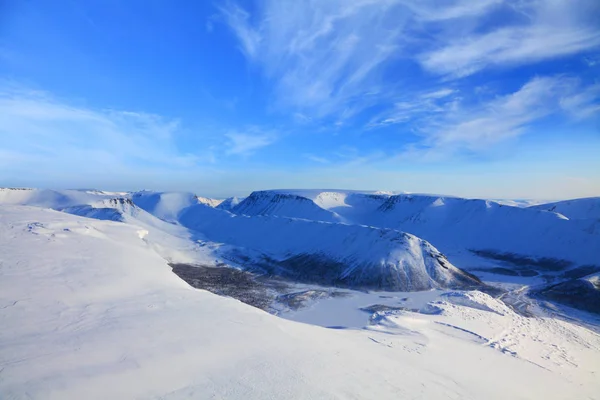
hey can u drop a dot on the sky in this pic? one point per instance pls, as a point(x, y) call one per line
point(490, 99)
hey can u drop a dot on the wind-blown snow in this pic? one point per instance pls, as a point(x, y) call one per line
point(164, 205)
point(229, 203)
point(90, 310)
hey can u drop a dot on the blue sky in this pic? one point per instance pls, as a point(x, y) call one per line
point(491, 98)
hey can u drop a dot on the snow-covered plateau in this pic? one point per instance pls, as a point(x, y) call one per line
point(296, 294)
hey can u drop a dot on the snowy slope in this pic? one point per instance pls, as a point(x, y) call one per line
point(551, 343)
point(172, 241)
point(588, 208)
point(51, 198)
point(329, 253)
point(90, 311)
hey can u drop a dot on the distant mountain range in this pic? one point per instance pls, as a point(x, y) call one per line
point(371, 240)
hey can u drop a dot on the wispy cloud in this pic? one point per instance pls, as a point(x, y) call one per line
point(333, 58)
point(539, 30)
point(324, 56)
point(501, 118)
point(317, 159)
point(239, 20)
point(432, 11)
point(417, 106)
point(451, 126)
point(584, 103)
point(438, 94)
point(246, 143)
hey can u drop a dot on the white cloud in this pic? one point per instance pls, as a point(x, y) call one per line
point(249, 142)
point(503, 117)
point(324, 56)
point(545, 30)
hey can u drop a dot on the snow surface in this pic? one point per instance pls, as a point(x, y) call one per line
point(90, 310)
point(558, 346)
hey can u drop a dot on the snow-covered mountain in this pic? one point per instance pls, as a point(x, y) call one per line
point(451, 223)
point(339, 206)
point(283, 205)
point(329, 253)
point(587, 208)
